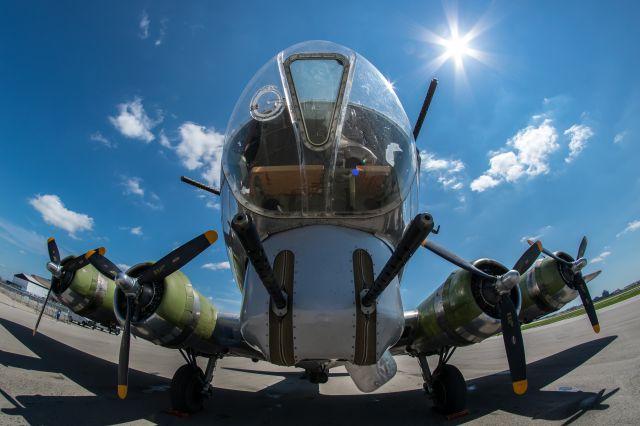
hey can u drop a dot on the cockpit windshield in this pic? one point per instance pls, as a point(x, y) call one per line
point(319, 132)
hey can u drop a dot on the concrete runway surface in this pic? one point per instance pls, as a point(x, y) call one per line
point(67, 375)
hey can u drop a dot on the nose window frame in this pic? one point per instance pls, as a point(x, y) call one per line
point(296, 109)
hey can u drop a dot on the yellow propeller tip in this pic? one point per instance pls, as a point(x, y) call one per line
point(211, 236)
point(102, 251)
point(539, 244)
point(89, 254)
point(596, 328)
point(122, 391)
point(520, 387)
point(50, 239)
point(530, 242)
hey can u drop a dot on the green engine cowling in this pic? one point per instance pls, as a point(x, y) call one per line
point(171, 313)
point(87, 293)
point(458, 313)
point(545, 288)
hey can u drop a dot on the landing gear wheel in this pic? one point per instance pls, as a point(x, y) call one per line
point(186, 389)
point(449, 390)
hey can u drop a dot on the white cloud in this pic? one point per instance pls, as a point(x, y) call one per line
point(22, 238)
point(537, 235)
point(163, 31)
point(602, 256)
point(631, 227)
point(164, 140)
point(619, 137)
point(132, 186)
point(529, 157)
point(98, 137)
point(136, 230)
point(123, 266)
point(579, 135)
point(483, 183)
point(213, 205)
point(446, 172)
point(200, 147)
point(144, 25)
point(55, 213)
point(133, 122)
point(217, 266)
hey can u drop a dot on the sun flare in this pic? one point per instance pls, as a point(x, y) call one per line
point(457, 45)
point(456, 48)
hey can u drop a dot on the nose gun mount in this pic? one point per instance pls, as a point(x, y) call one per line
point(415, 234)
point(247, 233)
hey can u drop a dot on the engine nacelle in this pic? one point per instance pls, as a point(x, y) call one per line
point(171, 313)
point(87, 293)
point(459, 313)
point(545, 288)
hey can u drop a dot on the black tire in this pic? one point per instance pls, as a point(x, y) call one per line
point(449, 390)
point(186, 389)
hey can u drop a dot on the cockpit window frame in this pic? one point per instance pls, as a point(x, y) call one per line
point(295, 108)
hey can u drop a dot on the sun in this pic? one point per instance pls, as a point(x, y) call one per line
point(456, 48)
point(456, 45)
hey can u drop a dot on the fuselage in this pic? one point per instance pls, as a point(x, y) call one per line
point(319, 153)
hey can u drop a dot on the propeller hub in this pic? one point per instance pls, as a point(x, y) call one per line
point(506, 282)
point(578, 265)
point(128, 285)
point(55, 269)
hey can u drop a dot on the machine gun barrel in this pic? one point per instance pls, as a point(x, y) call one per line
point(245, 229)
point(418, 229)
point(425, 108)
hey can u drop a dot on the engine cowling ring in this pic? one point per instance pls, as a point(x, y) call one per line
point(546, 287)
point(86, 292)
point(170, 313)
point(457, 313)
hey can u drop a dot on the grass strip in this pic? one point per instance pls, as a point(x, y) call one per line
point(576, 312)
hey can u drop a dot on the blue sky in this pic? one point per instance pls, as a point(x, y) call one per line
point(103, 107)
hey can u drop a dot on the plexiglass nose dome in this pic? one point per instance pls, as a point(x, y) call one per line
point(319, 132)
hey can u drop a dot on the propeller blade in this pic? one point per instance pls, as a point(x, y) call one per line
point(54, 253)
point(178, 257)
point(456, 260)
point(123, 359)
point(44, 305)
point(551, 255)
point(580, 285)
point(528, 257)
point(587, 278)
point(513, 344)
point(80, 262)
point(102, 264)
point(582, 248)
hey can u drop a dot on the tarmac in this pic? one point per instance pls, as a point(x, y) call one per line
point(67, 375)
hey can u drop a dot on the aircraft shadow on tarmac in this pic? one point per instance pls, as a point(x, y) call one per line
point(289, 401)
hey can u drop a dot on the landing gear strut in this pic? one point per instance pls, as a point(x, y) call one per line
point(190, 386)
point(446, 386)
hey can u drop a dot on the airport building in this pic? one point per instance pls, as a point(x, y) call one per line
point(33, 284)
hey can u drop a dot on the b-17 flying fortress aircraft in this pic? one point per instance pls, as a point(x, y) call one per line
point(319, 196)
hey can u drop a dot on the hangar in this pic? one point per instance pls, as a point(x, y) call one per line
point(32, 284)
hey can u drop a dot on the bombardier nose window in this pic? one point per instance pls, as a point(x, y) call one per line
point(315, 86)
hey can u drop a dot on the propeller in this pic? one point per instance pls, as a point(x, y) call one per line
point(133, 288)
point(502, 285)
point(578, 282)
point(59, 271)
